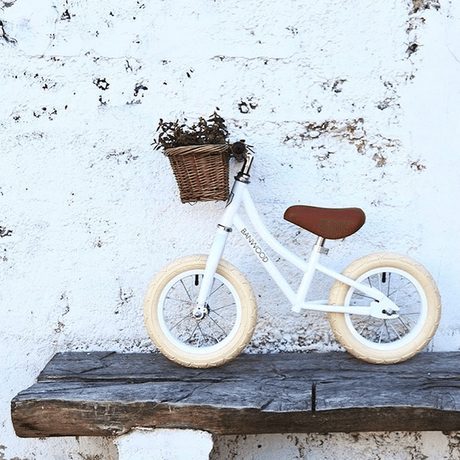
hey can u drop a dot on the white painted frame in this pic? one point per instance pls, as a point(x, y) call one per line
point(231, 220)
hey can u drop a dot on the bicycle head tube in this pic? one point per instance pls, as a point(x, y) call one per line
point(243, 175)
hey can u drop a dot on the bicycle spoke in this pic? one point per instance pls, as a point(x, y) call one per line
point(411, 314)
point(379, 336)
point(223, 307)
point(403, 293)
point(396, 332)
point(400, 289)
point(403, 324)
point(180, 322)
point(409, 319)
point(191, 335)
point(384, 326)
point(201, 330)
point(216, 321)
point(215, 290)
point(186, 290)
point(218, 325)
point(364, 326)
point(177, 300)
point(210, 336)
point(364, 296)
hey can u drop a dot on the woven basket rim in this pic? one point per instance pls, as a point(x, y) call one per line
point(196, 149)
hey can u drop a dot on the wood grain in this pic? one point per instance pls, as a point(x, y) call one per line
point(106, 394)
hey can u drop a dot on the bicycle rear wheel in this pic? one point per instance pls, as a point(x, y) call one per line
point(392, 340)
point(211, 338)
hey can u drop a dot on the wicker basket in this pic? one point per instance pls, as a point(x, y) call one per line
point(201, 171)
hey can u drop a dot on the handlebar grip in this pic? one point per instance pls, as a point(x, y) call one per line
point(238, 149)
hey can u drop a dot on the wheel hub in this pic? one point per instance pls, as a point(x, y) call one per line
point(199, 313)
point(384, 309)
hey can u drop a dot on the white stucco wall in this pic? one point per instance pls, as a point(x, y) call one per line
point(347, 103)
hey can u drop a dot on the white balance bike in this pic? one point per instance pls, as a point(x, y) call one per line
point(200, 311)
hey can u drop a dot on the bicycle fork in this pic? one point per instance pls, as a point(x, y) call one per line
point(214, 257)
point(218, 245)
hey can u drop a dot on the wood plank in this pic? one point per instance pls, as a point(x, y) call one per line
point(105, 394)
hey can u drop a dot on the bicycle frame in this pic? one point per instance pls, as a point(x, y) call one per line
point(379, 305)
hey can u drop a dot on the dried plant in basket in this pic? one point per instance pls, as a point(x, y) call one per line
point(205, 131)
point(199, 156)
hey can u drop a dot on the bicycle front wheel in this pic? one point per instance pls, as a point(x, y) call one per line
point(211, 338)
point(392, 340)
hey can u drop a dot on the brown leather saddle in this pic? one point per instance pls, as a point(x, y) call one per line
point(328, 223)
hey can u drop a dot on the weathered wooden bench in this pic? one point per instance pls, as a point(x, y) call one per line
point(109, 394)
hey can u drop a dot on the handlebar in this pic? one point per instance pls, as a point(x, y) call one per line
point(243, 152)
point(238, 149)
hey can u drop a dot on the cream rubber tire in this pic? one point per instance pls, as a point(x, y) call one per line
point(215, 337)
point(387, 341)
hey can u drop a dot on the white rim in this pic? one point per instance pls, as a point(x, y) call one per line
point(414, 331)
point(189, 348)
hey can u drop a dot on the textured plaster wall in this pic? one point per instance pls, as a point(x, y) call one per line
point(333, 446)
point(351, 103)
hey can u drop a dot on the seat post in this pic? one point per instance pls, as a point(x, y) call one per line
point(319, 246)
